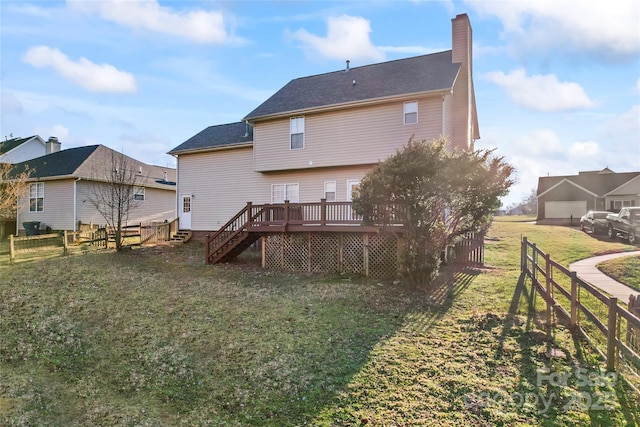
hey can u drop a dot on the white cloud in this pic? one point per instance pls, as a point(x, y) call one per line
point(197, 25)
point(541, 92)
point(347, 38)
point(84, 73)
point(587, 149)
point(59, 131)
point(638, 85)
point(589, 26)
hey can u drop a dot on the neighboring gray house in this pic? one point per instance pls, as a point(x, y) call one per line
point(318, 136)
point(16, 150)
point(562, 199)
point(61, 183)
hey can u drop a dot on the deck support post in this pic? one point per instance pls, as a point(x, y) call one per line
point(323, 212)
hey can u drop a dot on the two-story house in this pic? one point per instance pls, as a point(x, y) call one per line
point(16, 150)
point(319, 135)
point(62, 185)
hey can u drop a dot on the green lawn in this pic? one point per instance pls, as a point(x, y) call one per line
point(155, 337)
point(625, 270)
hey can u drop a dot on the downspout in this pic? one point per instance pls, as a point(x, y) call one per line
point(75, 205)
point(177, 202)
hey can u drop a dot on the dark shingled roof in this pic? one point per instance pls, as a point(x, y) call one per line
point(418, 74)
point(217, 136)
point(598, 183)
point(61, 163)
point(10, 144)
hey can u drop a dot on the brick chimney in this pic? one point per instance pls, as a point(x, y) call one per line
point(465, 119)
point(52, 145)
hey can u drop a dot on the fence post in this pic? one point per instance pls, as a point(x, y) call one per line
point(249, 214)
point(534, 264)
point(365, 255)
point(323, 211)
point(64, 242)
point(286, 212)
point(611, 334)
point(548, 286)
point(574, 300)
point(12, 249)
point(523, 255)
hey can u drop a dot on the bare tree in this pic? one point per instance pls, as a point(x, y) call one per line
point(13, 183)
point(115, 185)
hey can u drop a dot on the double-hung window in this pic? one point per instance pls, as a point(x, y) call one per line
point(282, 192)
point(410, 112)
point(36, 197)
point(138, 193)
point(297, 133)
point(330, 191)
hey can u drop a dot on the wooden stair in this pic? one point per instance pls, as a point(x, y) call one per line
point(234, 247)
point(232, 239)
point(182, 236)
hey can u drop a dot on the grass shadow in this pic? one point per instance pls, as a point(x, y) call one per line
point(563, 372)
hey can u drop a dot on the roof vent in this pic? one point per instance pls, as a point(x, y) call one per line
point(347, 69)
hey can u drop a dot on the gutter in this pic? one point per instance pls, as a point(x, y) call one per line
point(364, 102)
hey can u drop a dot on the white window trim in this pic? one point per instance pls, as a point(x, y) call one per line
point(405, 112)
point(39, 195)
point(349, 183)
point(297, 133)
point(137, 191)
point(286, 196)
point(334, 191)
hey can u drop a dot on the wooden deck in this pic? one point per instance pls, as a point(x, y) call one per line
point(255, 220)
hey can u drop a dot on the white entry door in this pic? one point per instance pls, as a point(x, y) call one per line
point(352, 185)
point(186, 203)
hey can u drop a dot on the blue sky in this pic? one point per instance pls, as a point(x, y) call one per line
point(557, 82)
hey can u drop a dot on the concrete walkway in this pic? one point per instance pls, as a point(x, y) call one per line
point(587, 271)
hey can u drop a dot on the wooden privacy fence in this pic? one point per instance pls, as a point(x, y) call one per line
point(89, 235)
point(590, 311)
point(470, 249)
point(36, 243)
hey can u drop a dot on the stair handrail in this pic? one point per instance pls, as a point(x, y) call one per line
point(223, 229)
point(234, 233)
point(219, 246)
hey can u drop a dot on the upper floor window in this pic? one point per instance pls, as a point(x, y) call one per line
point(138, 193)
point(36, 197)
point(330, 191)
point(410, 112)
point(282, 192)
point(297, 133)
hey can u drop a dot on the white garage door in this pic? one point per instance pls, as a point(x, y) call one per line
point(565, 209)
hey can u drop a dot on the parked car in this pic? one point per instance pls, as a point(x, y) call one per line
point(594, 222)
point(626, 224)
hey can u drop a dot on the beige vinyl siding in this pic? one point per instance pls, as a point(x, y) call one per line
point(58, 206)
point(158, 205)
point(355, 136)
point(222, 183)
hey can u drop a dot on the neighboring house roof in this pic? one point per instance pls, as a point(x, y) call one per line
point(598, 183)
point(420, 74)
point(215, 137)
point(10, 144)
point(86, 162)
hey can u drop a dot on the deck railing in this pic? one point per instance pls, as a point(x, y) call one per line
point(313, 214)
